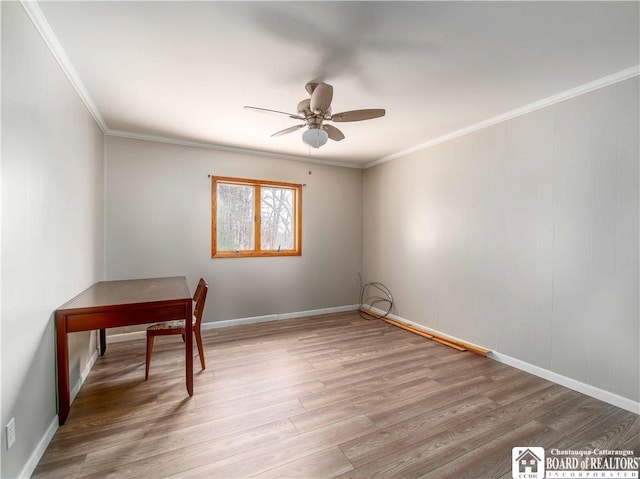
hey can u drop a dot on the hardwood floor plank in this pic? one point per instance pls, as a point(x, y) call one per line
point(330, 396)
point(161, 438)
point(633, 441)
point(61, 449)
point(279, 392)
point(520, 387)
point(493, 458)
point(223, 422)
point(574, 413)
point(69, 466)
point(446, 439)
point(349, 407)
point(364, 387)
point(275, 454)
point(427, 399)
point(604, 431)
point(194, 455)
point(419, 428)
point(327, 463)
point(348, 374)
point(443, 450)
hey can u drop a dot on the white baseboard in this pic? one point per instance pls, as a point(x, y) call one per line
point(593, 391)
point(589, 390)
point(118, 338)
point(35, 457)
point(122, 337)
point(38, 452)
point(278, 317)
point(83, 376)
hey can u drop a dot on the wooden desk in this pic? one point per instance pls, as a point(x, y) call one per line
point(111, 304)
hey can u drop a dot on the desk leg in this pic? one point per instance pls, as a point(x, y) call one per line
point(62, 350)
point(188, 345)
point(103, 342)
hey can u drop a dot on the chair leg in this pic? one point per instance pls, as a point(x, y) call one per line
point(200, 349)
point(148, 361)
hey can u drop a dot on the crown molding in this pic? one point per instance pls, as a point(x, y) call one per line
point(41, 24)
point(46, 32)
point(230, 149)
point(531, 107)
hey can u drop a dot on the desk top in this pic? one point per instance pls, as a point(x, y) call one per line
point(131, 291)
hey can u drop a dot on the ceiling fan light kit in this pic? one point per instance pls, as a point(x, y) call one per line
point(317, 109)
point(315, 137)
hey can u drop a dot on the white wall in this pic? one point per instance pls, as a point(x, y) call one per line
point(522, 237)
point(52, 229)
point(159, 224)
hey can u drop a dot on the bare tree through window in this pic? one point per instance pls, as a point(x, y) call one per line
point(255, 218)
point(277, 218)
point(236, 230)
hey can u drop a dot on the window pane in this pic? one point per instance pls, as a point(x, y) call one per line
point(278, 225)
point(235, 225)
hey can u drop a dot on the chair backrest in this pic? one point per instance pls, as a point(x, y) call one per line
point(201, 284)
point(200, 297)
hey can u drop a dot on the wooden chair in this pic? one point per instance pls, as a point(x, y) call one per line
point(178, 326)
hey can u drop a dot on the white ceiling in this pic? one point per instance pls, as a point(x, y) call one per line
point(184, 70)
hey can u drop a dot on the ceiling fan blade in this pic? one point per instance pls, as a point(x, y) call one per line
point(334, 133)
point(265, 110)
point(310, 87)
point(321, 97)
point(358, 115)
point(291, 129)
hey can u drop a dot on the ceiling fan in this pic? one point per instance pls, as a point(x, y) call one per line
point(315, 110)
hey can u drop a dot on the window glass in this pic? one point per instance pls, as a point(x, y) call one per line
point(255, 218)
point(235, 217)
point(277, 225)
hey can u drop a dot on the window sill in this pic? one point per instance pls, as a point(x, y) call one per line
point(254, 254)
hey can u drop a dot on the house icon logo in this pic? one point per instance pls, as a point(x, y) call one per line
point(527, 463)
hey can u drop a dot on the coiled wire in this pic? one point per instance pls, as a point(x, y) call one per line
point(372, 295)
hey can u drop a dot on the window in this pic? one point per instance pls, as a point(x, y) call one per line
point(255, 218)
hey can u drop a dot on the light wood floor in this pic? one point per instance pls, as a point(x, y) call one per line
point(331, 396)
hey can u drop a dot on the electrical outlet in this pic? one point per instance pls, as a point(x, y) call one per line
point(11, 432)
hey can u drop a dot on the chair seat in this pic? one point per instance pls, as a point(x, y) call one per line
point(175, 324)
